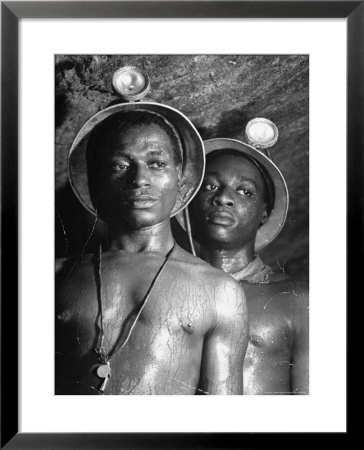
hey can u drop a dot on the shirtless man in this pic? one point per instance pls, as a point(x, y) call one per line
point(189, 335)
point(240, 208)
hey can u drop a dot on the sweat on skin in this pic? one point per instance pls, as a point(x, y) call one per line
point(192, 334)
point(226, 214)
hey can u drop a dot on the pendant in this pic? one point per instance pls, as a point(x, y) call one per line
point(104, 371)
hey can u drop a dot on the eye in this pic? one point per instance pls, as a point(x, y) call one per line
point(157, 164)
point(119, 166)
point(244, 192)
point(211, 187)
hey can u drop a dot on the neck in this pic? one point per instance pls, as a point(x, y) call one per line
point(157, 238)
point(230, 261)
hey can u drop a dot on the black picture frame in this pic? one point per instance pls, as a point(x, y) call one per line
point(11, 12)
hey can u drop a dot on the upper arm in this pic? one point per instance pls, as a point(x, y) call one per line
point(225, 345)
point(300, 349)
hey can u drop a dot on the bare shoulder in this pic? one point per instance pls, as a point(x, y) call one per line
point(288, 289)
point(298, 291)
point(197, 267)
point(194, 263)
point(300, 301)
point(61, 263)
point(292, 296)
point(72, 266)
point(225, 291)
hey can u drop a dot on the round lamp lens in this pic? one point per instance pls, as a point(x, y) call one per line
point(261, 133)
point(131, 83)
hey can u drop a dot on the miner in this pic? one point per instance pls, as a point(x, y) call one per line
point(142, 315)
point(240, 208)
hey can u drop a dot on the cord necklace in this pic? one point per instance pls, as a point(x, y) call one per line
point(104, 370)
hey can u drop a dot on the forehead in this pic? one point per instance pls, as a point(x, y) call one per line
point(138, 138)
point(232, 165)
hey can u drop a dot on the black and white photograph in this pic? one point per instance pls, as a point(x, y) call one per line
point(182, 224)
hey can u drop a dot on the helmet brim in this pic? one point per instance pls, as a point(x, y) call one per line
point(270, 230)
point(193, 165)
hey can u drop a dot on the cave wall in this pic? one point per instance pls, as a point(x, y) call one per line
point(220, 94)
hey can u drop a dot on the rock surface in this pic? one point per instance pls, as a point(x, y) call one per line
point(220, 94)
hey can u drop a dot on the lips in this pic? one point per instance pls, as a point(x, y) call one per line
point(219, 217)
point(140, 201)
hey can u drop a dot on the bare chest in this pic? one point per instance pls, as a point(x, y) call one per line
point(126, 298)
point(270, 324)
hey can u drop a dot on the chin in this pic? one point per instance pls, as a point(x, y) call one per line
point(138, 219)
point(216, 235)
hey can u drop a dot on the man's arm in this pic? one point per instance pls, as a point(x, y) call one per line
point(225, 345)
point(300, 350)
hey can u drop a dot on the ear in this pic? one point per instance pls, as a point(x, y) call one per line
point(264, 217)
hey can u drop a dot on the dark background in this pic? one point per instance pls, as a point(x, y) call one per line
point(219, 94)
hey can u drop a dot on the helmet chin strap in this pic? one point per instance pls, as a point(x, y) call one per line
point(188, 230)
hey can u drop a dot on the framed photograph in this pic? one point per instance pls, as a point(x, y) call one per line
point(223, 69)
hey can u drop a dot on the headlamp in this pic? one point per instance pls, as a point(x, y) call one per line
point(261, 133)
point(131, 83)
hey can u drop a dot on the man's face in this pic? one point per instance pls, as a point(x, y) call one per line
point(229, 207)
point(139, 176)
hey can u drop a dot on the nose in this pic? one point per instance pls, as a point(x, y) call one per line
point(223, 197)
point(140, 177)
